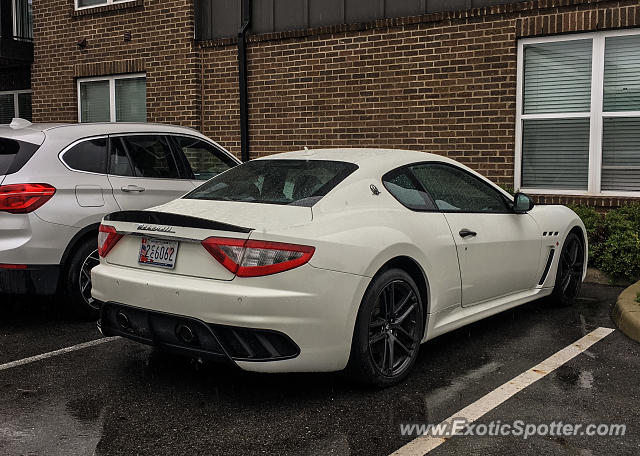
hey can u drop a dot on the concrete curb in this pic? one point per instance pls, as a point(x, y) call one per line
point(626, 313)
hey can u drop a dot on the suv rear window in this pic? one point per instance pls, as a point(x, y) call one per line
point(294, 182)
point(89, 155)
point(14, 154)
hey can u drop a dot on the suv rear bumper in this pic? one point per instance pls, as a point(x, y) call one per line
point(32, 279)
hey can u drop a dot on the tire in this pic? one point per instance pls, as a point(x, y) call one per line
point(385, 344)
point(570, 269)
point(77, 280)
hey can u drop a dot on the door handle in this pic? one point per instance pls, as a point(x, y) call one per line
point(132, 188)
point(464, 232)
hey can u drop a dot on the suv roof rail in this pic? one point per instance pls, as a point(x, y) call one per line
point(18, 123)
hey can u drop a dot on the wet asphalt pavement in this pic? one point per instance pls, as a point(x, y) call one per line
point(121, 398)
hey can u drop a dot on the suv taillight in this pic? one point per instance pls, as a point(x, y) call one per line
point(107, 238)
point(257, 258)
point(24, 198)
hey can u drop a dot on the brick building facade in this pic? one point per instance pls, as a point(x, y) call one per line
point(441, 82)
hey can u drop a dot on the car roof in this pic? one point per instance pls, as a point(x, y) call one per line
point(368, 159)
point(35, 133)
point(71, 132)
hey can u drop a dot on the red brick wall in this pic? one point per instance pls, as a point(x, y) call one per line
point(443, 88)
point(161, 45)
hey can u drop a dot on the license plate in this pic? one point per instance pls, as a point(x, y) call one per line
point(158, 252)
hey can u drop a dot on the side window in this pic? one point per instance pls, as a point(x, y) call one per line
point(89, 155)
point(454, 189)
point(119, 164)
point(404, 188)
point(205, 160)
point(151, 156)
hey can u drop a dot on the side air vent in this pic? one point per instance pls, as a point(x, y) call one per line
point(547, 267)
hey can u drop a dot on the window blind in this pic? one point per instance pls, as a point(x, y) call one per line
point(7, 108)
point(131, 100)
point(557, 77)
point(94, 101)
point(24, 105)
point(622, 73)
point(82, 3)
point(621, 154)
point(555, 154)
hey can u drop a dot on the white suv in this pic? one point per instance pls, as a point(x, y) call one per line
point(58, 181)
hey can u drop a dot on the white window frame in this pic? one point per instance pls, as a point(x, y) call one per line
point(596, 114)
point(112, 91)
point(104, 3)
point(15, 93)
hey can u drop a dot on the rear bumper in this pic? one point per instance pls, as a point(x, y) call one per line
point(314, 308)
point(35, 279)
point(194, 337)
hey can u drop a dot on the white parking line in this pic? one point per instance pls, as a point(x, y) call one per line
point(424, 444)
point(62, 351)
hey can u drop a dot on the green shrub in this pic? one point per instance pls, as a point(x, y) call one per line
point(614, 240)
point(621, 256)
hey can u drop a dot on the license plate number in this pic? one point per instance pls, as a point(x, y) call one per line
point(158, 252)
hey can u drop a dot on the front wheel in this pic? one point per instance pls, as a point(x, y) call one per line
point(570, 269)
point(77, 286)
point(389, 329)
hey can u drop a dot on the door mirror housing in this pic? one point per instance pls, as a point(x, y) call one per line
point(522, 203)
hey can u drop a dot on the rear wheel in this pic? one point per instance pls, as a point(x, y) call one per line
point(570, 269)
point(77, 284)
point(388, 331)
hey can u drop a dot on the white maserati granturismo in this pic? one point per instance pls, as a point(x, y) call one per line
point(326, 260)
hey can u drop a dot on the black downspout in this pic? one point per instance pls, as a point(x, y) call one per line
point(242, 75)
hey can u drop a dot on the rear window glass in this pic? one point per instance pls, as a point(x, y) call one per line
point(14, 154)
point(294, 182)
point(90, 155)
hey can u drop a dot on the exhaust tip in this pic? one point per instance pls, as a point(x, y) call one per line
point(123, 320)
point(185, 334)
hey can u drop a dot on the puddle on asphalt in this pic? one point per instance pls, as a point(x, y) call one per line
point(57, 429)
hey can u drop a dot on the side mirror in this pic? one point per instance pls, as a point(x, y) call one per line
point(522, 203)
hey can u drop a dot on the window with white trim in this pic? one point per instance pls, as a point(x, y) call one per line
point(82, 4)
point(15, 103)
point(578, 114)
point(120, 98)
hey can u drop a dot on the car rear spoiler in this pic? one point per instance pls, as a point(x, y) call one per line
point(167, 218)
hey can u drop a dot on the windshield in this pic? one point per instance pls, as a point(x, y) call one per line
point(294, 182)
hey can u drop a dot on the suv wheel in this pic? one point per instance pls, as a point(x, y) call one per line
point(77, 284)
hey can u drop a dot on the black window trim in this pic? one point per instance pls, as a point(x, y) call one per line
point(508, 203)
point(81, 140)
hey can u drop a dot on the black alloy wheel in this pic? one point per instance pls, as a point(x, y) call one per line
point(393, 335)
point(570, 270)
point(389, 329)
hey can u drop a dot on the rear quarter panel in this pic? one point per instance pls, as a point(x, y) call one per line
point(357, 232)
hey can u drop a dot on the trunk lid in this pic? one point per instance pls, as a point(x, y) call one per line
point(189, 222)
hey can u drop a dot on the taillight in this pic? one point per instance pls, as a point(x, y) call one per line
point(13, 266)
point(24, 198)
point(257, 258)
point(107, 238)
